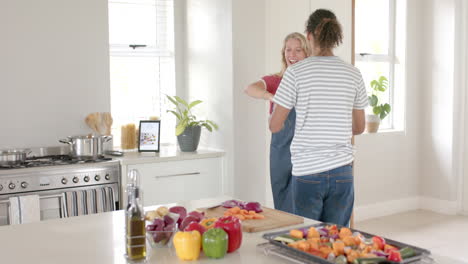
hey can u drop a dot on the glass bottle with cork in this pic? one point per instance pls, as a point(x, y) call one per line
point(135, 232)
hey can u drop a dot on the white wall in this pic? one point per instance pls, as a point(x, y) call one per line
point(54, 69)
point(462, 82)
point(438, 178)
point(208, 73)
point(250, 121)
point(387, 164)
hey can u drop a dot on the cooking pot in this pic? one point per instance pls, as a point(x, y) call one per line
point(13, 156)
point(86, 147)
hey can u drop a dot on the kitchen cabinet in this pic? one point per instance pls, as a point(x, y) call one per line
point(173, 181)
point(172, 176)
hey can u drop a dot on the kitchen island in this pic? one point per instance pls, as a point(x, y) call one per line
point(99, 238)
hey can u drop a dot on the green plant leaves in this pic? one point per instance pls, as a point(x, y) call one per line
point(180, 100)
point(194, 103)
point(180, 128)
point(213, 124)
point(172, 100)
point(176, 114)
point(377, 110)
point(373, 100)
point(207, 127)
point(379, 86)
point(185, 117)
point(387, 108)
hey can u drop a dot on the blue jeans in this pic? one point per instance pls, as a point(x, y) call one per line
point(281, 166)
point(327, 196)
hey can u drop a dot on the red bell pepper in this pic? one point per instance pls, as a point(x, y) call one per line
point(233, 228)
point(379, 242)
point(394, 255)
point(195, 226)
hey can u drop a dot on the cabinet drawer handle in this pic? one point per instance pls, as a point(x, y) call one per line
point(177, 175)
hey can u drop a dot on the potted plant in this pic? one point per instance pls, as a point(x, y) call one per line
point(188, 128)
point(380, 110)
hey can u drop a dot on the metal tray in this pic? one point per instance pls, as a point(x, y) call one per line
point(420, 253)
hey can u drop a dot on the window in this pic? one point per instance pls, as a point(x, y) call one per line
point(142, 70)
point(380, 40)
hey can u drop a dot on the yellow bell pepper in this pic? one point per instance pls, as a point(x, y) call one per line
point(187, 245)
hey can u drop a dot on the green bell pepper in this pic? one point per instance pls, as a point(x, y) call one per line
point(215, 243)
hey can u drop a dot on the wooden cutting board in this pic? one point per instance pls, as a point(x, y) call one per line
point(273, 219)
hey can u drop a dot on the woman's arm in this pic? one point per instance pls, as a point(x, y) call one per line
point(280, 114)
point(258, 90)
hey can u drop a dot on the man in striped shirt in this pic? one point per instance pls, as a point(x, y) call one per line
point(329, 97)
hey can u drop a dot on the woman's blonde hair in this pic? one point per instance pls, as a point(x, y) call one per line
point(304, 46)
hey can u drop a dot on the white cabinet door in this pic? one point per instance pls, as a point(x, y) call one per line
point(173, 181)
point(343, 10)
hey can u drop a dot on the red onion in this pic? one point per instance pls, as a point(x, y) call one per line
point(233, 203)
point(379, 253)
point(250, 206)
point(323, 231)
point(253, 206)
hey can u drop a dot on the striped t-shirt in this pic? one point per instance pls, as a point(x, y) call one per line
point(324, 91)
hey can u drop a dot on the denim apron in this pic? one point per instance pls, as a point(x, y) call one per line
point(281, 166)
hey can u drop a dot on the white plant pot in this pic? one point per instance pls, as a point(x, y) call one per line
point(372, 123)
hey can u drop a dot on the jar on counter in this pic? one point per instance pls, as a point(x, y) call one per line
point(128, 137)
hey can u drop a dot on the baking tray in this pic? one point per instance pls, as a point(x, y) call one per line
point(420, 253)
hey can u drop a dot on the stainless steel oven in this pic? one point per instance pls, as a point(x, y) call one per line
point(57, 187)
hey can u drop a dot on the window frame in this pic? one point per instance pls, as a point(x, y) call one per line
point(391, 59)
point(158, 52)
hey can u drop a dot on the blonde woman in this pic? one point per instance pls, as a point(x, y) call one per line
point(294, 49)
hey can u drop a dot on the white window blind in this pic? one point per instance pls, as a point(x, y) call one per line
point(142, 70)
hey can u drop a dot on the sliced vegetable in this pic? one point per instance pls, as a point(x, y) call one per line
point(232, 203)
point(379, 253)
point(287, 239)
point(370, 261)
point(253, 206)
point(379, 242)
point(407, 252)
point(312, 232)
point(296, 233)
point(341, 260)
point(250, 206)
point(394, 255)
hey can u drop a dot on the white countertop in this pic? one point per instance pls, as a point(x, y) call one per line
point(99, 239)
point(167, 153)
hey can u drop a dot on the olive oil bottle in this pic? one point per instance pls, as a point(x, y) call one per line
point(135, 237)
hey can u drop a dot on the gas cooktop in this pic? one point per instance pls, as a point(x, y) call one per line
point(52, 160)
